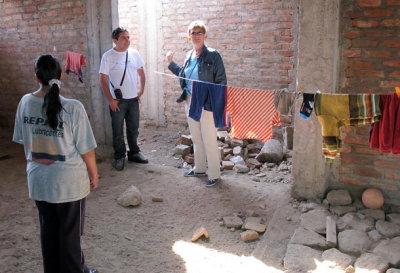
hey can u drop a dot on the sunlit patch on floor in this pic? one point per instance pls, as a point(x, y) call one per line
point(200, 259)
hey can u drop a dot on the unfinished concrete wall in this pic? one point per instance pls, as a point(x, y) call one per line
point(257, 40)
point(317, 69)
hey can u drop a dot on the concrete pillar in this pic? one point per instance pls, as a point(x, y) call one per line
point(317, 69)
point(102, 16)
point(150, 48)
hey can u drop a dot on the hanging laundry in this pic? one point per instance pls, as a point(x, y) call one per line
point(307, 106)
point(210, 97)
point(284, 101)
point(336, 110)
point(385, 134)
point(73, 64)
point(252, 112)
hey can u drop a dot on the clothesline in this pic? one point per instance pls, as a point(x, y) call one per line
point(183, 78)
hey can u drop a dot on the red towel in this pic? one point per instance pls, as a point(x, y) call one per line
point(73, 64)
point(252, 112)
point(385, 134)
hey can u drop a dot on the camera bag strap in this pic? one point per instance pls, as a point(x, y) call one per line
point(123, 76)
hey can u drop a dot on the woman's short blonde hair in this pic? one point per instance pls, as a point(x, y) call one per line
point(195, 24)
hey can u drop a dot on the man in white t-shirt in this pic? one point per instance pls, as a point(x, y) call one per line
point(118, 79)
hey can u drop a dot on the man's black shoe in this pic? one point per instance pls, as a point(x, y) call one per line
point(138, 158)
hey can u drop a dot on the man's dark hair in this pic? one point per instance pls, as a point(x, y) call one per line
point(117, 31)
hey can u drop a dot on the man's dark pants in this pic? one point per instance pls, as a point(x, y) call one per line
point(61, 227)
point(128, 111)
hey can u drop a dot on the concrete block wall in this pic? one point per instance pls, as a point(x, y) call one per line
point(257, 40)
point(29, 29)
point(370, 64)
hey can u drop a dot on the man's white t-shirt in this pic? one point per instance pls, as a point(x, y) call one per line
point(113, 65)
point(56, 170)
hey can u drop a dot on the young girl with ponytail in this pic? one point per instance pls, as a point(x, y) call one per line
point(61, 166)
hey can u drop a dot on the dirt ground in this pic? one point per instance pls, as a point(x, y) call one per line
point(153, 237)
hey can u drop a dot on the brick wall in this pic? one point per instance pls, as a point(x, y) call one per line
point(256, 38)
point(371, 64)
point(31, 28)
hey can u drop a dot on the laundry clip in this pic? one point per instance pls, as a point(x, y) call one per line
point(397, 91)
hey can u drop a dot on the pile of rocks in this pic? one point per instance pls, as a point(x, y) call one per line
point(251, 224)
point(247, 156)
point(342, 234)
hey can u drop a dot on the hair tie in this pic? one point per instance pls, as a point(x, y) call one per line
point(55, 81)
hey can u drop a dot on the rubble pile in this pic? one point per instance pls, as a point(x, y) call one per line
point(267, 162)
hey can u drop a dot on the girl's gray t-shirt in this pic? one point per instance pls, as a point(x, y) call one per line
point(56, 171)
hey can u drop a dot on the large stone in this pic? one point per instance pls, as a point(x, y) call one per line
point(271, 152)
point(340, 259)
point(130, 197)
point(393, 270)
point(253, 163)
point(339, 198)
point(377, 214)
point(368, 262)
point(250, 225)
point(182, 150)
point(249, 235)
point(232, 222)
point(353, 241)
point(387, 229)
point(300, 258)
point(185, 140)
point(341, 210)
point(315, 220)
point(394, 218)
point(375, 235)
point(355, 221)
point(390, 250)
point(239, 168)
point(309, 238)
point(237, 160)
point(227, 165)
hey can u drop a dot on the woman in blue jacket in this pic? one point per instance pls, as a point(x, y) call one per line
point(204, 64)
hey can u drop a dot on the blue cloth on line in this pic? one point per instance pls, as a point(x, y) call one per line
point(210, 97)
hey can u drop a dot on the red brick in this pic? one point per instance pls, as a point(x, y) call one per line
point(351, 180)
point(391, 43)
point(351, 53)
point(387, 84)
point(368, 3)
point(369, 73)
point(360, 64)
point(352, 34)
point(349, 72)
point(365, 24)
point(368, 151)
point(367, 171)
point(391, 23)
point(363, 43)
point(393, 2)
point(378, 12)
point(342, 169)
point(395, 74)
point(387, 164)
point(355, 159)
point(392, 175)
point(362, 140)
point(381, 54)
point(392, 63)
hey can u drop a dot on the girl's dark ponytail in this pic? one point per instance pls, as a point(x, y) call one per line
point(48, 71)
